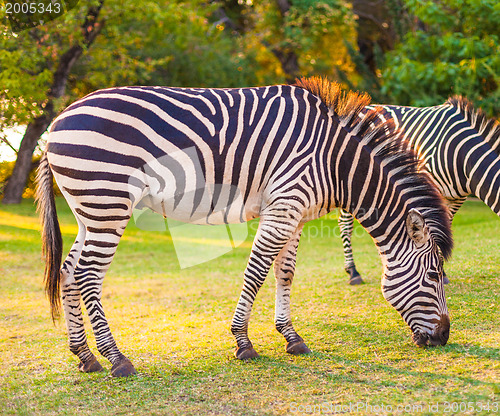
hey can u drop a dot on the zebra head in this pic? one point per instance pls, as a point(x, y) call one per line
point(413, 284)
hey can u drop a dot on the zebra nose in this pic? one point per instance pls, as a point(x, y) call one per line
point(442, 333)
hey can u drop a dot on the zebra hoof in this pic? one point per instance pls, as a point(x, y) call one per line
point(123, 368)
point(353, 281)
point(354, 276)
point(245, 353)
point(297, 348)
point(90, 366)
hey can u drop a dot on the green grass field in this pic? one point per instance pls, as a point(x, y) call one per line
point(174, 326)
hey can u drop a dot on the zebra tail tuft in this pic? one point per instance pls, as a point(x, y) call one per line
point(52, 244)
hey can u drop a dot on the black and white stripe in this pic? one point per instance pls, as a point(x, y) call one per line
point(457, 144)
point(286, 154)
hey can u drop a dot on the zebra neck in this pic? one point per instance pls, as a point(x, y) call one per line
point(366, 185)
point(483, 169)
point(395, 248)
point(387, 227)
point(381, 207)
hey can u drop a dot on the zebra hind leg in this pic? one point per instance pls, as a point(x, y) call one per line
point(70, 294)
point(275, 229)
point(346, 224)
point(284, 269)
point(98, 252)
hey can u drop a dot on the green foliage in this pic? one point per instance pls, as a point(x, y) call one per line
point(186, 43)
point(24, 79)
point(19, 96)
point(308, 21)
point(28, 60)
point(319, 28)
point(141, 42)
point(313, 30)
point(200, 53)
point(162, 43)
point(470, 17)
point(365, 80)
point(456, 52)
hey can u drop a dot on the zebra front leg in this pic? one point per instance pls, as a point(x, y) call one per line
point(275, 229)
point(284, 269)
point(99, 249)
point(70, 295)
point(346, 222)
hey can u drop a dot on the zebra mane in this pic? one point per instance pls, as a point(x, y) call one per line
point(388, 144)
point(346, 104)
point(488, 128)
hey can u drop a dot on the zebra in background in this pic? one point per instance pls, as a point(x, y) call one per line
point(457, 144)
point(293, 153)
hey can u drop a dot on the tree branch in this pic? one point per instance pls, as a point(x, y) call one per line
point(3, 139)
point(373, 19)
point(223, 18)
point(91, 28)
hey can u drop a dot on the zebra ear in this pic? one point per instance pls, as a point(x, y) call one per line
point(416, 228)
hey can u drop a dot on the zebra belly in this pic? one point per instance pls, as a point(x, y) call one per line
point(212, 205)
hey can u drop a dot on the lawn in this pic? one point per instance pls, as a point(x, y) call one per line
point(174, 325)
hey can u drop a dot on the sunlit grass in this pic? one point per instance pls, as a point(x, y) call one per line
point(174, 325)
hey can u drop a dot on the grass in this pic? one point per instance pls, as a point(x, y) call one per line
point(174, 326)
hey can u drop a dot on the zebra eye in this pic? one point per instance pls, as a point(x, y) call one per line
point(433, 276)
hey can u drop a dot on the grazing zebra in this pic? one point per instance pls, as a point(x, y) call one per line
point(457, 144)
point(293, 153)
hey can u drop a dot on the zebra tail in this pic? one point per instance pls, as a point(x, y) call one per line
point(52, 244)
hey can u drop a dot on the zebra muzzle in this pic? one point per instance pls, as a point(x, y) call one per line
point(439, 337)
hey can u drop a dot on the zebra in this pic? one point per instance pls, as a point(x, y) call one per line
point(457, 144)
point(293, 152)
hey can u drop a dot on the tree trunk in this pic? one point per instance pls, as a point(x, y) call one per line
point(374, 28)
point(17, 182)
point(289, 64)
point(288, 58)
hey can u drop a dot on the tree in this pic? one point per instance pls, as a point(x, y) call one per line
point(380, 26)
point(455, 49)
point(47, 108)
point(306, 36)
point(291, 38)
point(101, 44)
